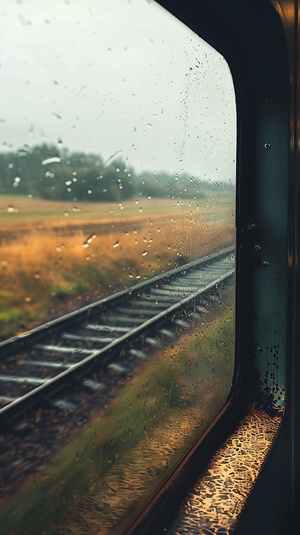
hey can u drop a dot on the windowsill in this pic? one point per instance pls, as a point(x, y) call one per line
point(217, 499)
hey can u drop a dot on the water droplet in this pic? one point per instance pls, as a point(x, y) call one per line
point(267, 146)
point(144, 253)
point(54, 159)
point(149, 125)
point(16, 182)
point(11, 209)
point(116, 244)
point(89, 240)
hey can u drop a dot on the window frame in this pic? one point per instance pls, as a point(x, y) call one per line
point(258, 40)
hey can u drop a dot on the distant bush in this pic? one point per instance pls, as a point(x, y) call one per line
point(45, 172)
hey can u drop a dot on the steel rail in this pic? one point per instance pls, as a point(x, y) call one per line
point(74, 372)
point(60, 323)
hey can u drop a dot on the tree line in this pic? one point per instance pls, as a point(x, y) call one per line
point(44, 171)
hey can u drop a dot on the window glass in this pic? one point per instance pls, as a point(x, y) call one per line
point(117, 165)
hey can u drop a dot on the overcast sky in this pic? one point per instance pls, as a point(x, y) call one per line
point(115, 75)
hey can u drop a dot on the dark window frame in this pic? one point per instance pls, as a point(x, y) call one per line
point(258, 39)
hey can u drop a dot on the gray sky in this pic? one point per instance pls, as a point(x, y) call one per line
point(115, 75)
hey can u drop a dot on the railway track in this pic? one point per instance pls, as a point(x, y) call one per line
point(110, 334)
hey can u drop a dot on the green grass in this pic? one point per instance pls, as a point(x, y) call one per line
point(63, 292)
point(10, 315)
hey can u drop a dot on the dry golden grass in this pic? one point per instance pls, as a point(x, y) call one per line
point(45, 262)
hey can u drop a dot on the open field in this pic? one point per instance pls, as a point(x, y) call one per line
point(55, 256)
point(16, 210)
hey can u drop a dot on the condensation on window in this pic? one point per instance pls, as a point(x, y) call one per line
point(117, 167)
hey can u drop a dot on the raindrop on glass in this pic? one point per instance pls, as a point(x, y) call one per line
point(54, 159)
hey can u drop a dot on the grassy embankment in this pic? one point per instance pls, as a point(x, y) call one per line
point(51, 252)
point(121, 456)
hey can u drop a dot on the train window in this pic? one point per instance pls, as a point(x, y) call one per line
point(117, 202)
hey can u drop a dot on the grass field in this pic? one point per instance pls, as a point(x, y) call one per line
point(57, 256)
point(14, 209)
